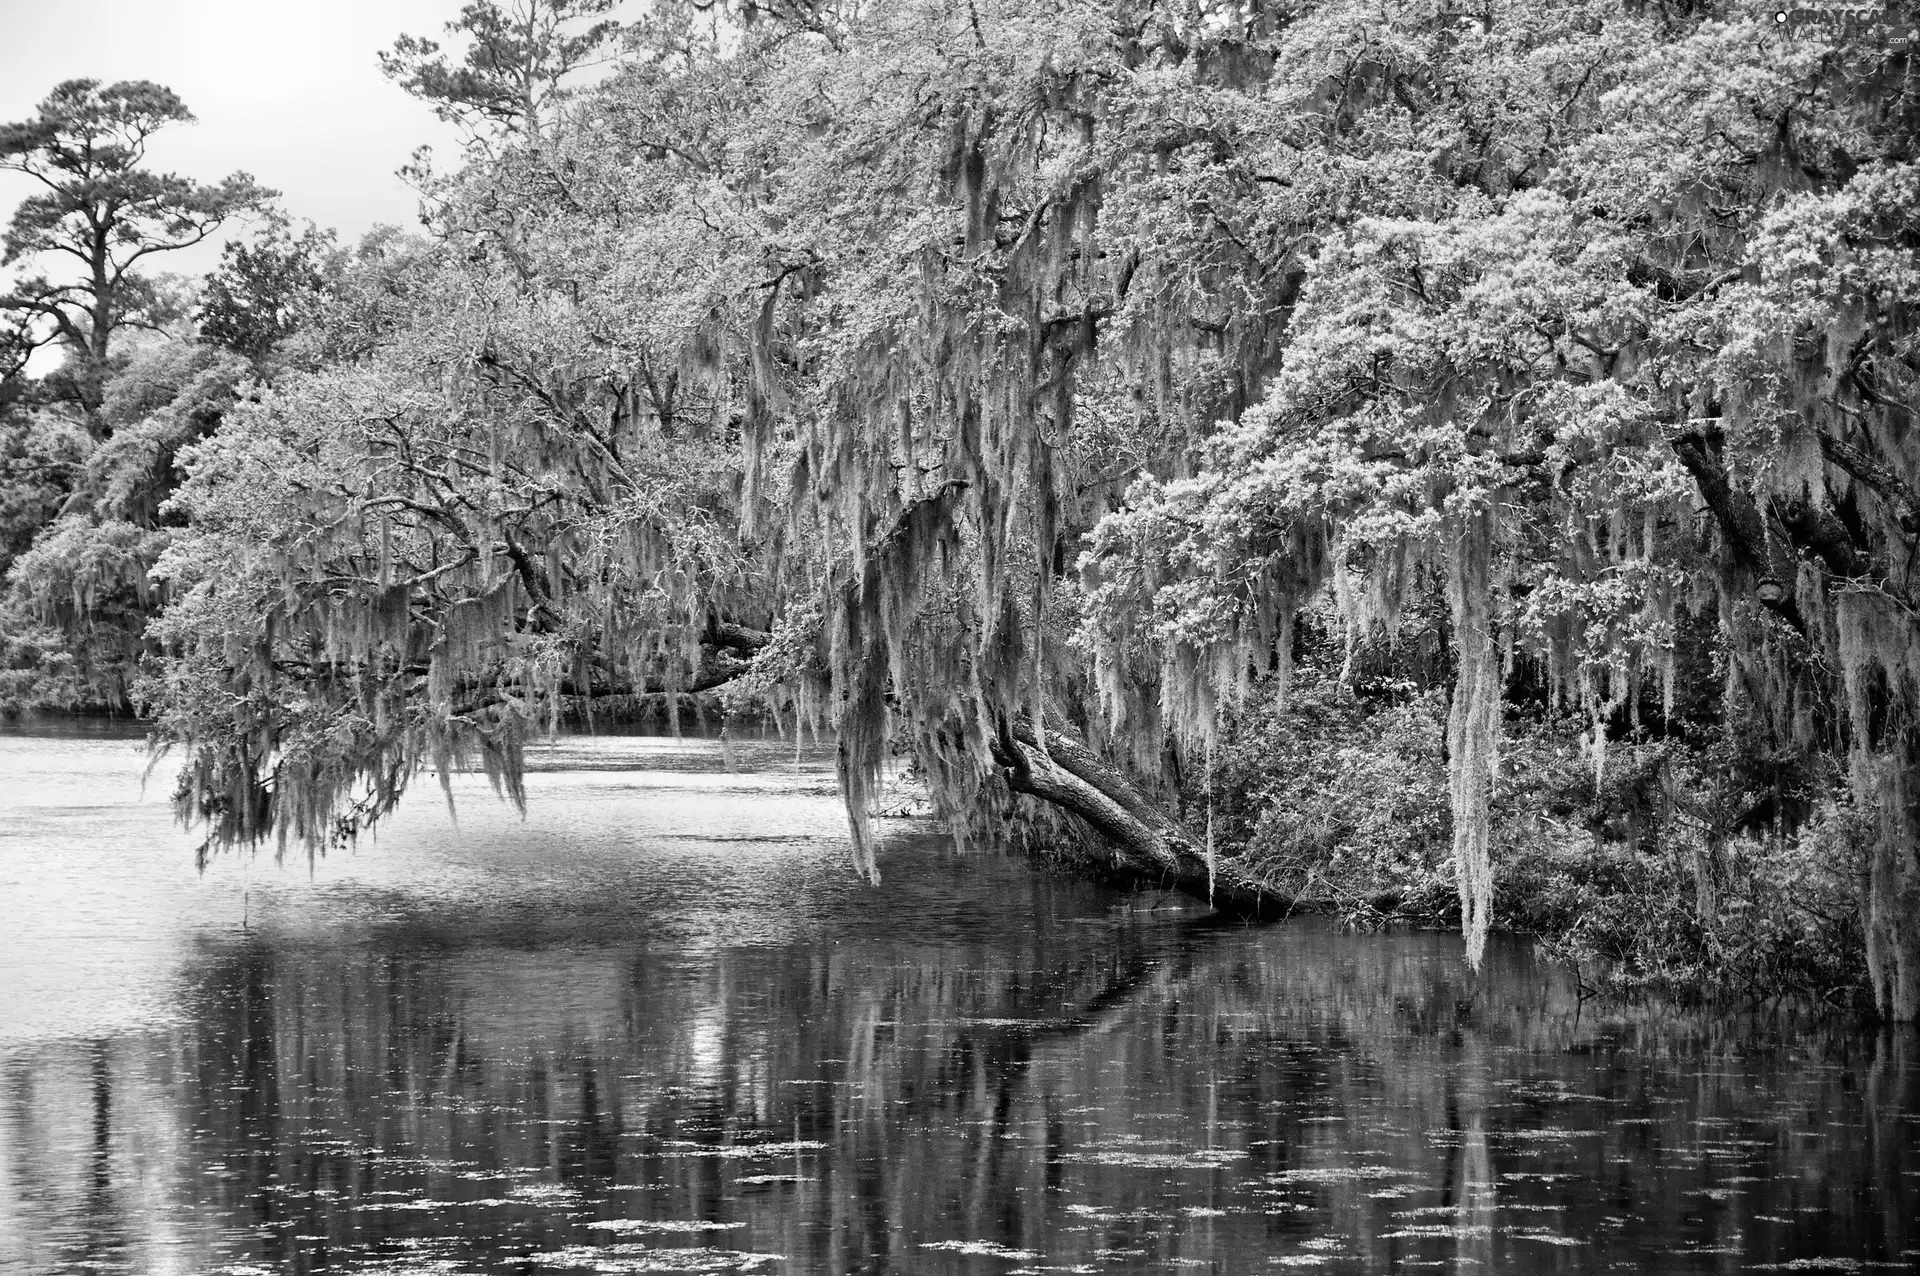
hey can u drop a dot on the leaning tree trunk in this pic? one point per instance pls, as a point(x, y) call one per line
point(1146, 842)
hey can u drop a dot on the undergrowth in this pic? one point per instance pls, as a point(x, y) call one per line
point(1675, 869)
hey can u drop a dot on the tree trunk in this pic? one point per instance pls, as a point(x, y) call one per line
point(1146, 842)
point(92, 377)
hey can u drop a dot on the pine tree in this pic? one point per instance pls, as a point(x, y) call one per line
point(99, 207)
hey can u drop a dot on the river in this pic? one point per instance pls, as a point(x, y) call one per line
point(658, 1026)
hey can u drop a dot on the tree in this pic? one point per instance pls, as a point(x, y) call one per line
point(1019, 379)
point(706, 261)
point(509, 504)
point(511, 78)
point(1592, 369)
point(101, 210)
point(79, 597)
point(264, 292)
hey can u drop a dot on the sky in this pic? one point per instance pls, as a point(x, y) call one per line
point(287, 90)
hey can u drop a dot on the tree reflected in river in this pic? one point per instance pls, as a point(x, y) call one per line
point(976, 1069)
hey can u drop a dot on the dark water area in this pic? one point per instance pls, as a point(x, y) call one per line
point(657, 1026)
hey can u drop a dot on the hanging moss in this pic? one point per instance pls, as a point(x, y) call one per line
point(1473, 725)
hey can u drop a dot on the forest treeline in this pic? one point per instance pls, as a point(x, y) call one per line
point(1443, 462)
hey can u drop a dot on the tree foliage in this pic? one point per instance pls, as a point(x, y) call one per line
point(998, 385)
point(99, 214)
point(509, 80)
point(264, 292)
point(1616, 333)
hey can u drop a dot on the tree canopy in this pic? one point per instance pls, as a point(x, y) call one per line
point(1030, 391)
point(99, 215)
point(511, 76)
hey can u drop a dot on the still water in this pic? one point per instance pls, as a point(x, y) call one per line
point(657, 1026)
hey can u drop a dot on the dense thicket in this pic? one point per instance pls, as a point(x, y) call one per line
point(1211, 433)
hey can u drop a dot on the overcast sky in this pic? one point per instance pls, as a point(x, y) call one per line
point(288, 90)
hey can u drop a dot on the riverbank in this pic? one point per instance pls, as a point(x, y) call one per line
point(1650, 869)
point(1635, 873)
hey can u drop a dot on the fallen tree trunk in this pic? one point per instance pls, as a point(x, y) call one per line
point(1147, 843)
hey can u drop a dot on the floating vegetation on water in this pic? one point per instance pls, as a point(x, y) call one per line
point(1338, 1174)
point(1429, 1231)
point(1547, 1090)
point(544, 1194)
point(983, 1249)
point(661, 1225)
point(426, 1204)
point(741, 1150)
point(618, 1260)
point(1199, 1159)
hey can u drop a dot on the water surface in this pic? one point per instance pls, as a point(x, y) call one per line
point(657, 1026)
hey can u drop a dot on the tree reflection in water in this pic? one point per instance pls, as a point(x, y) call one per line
point(1025, 1074)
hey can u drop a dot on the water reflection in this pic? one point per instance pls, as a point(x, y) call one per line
point(658, 1028)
